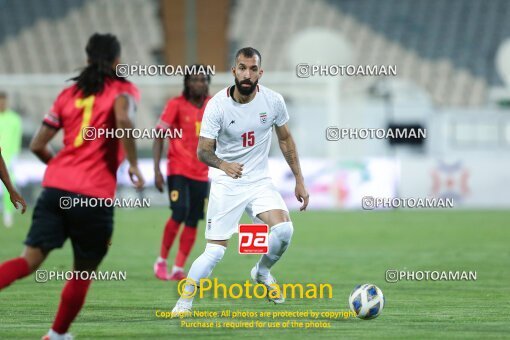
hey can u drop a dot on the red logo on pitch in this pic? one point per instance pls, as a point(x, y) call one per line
point(253, 238)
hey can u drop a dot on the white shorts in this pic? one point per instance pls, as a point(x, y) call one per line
point(228, 201)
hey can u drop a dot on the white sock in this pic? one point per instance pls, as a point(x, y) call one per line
point(56, 336)
point(160, 259)
point(8, 219)
point(177, 269)
point(203, 266)
point(279, 240)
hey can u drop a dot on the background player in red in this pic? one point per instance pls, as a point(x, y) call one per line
point(83, 168)
point(186, 176)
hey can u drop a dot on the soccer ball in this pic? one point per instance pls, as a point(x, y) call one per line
point(367, 301)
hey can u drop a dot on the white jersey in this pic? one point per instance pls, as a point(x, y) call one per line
point(243, 131)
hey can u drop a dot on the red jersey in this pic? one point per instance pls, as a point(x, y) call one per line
point(179, 113)
point(87, 167)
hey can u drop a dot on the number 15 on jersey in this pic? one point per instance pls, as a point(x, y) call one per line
point(248, 139)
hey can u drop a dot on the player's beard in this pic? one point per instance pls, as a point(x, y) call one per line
point(246, 91)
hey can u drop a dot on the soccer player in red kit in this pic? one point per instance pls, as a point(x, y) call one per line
point(187, 177)
point(83, 168)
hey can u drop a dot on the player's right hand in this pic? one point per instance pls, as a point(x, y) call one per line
point(18, 201)
point(136, 177)
point(234, 170)
point(159, 181)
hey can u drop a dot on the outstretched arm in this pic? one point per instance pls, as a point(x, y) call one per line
point(289, 151)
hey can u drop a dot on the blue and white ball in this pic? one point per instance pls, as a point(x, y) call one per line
point(367, 301)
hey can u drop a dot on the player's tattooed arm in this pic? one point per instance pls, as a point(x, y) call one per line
point(289, 151)
point(206, 154)
point(40, 143)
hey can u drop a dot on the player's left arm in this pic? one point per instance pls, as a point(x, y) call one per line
point(14, 195)
point(289, 151)
point(40, 143)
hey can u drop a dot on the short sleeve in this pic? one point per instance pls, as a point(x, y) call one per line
point(282, 116)
point(168, 116)
point(53, 117)
point(129, 90)
point(211, 121)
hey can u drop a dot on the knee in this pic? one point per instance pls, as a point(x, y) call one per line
point(34, 257)
point(86, 265)
point(195, 214)
point(191, 222)
point(214, 251)
point(179, 214)
point(283, 230)
point(33, 266)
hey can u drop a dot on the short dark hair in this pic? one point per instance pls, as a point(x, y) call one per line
point(3, 94)
point(248, 52)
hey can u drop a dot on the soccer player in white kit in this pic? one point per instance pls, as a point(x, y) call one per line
point(235, 138)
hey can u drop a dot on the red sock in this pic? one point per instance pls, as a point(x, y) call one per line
point(13, 270)
point(171, 229)
point(71, 301)
point(186, 242)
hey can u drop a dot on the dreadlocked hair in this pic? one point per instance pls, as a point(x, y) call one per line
point(187, 76)
point(102, 50)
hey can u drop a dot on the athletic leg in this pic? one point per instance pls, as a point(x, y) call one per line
point(223, 214)
point(46, 232)
point(90, 230)
point(279, 238)
point(20, 267)
point(198, 193)
point(268, 207)
point(178, 195)
point(73, 297)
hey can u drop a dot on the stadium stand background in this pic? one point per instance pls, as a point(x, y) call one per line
point(442, 46)
point(448, 80)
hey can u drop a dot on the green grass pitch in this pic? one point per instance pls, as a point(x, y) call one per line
point(341, 248)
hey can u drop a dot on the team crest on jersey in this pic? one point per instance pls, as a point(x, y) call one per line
point(263, 117)
point(174, 195)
